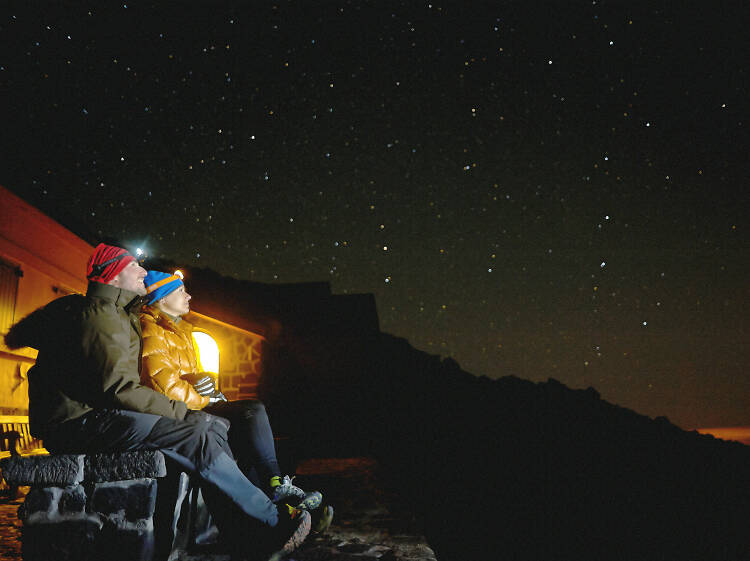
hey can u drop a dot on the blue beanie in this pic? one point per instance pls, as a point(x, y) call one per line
point(159, 285)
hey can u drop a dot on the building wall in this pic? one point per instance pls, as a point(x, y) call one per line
point(48, 261)
point(239, 356)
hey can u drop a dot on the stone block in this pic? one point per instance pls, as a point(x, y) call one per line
point(120, 466)
point(61, 541)
point(135, 498)
point(72, 500)
point(56, 471)
point(38, 499)
point(89, 508)
point(131, 544)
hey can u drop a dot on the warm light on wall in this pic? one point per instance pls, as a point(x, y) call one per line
point(207, 351)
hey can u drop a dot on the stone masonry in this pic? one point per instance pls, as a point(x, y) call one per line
point(88, 507)
point(370, 524)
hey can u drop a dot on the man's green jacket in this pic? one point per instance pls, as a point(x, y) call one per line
point(89, 358)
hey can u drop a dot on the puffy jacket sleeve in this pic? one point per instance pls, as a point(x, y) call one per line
point(111, 359)
point(160, 366)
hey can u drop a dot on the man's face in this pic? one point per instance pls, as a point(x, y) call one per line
point(131, 278)
point(176, 303)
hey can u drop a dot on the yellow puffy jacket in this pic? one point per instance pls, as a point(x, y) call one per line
point(169, 362)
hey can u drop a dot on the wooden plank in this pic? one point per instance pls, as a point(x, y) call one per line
point(22, 419)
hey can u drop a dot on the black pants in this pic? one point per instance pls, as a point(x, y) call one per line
point(250, 438)
point(199, 445)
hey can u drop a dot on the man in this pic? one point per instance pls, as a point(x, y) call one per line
point(170, 366)
point(85, 396)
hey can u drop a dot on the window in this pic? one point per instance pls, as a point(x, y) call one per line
point(207, 351)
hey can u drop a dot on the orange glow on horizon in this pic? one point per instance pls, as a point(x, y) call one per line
point(740, 434)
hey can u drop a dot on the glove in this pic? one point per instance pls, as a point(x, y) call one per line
point(216, 397)
point(205, 386)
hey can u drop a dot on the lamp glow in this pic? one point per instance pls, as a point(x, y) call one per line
point(207, 351)
point(179, 274)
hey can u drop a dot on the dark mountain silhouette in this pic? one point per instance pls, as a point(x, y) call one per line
point(510, 469)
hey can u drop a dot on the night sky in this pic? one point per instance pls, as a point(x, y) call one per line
point(533, 190)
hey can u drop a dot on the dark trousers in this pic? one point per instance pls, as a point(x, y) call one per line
point(250, 438)
point(199, 445)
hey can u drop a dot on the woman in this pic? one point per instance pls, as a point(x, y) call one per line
point(170, 366)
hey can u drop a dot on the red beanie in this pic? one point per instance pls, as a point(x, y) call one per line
point(106, 262)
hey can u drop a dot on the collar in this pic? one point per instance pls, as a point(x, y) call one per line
point(175, 319)
point(166, 320)
point(120, 297)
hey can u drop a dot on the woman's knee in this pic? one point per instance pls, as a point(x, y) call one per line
point(253, 408)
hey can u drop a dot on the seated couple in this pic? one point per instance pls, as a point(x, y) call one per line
point(171, 366)
point(87, 394)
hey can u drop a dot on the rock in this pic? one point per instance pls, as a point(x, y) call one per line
point(136, 499)
point(124, 544)
point(64, 541)
point(120, 466)
point(58, 471)
point(39, 499)
point(72, 500)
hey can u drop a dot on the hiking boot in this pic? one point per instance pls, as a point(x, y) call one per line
point(283, 489)
point(293, 527)
point(322, 519)
point(255, 542)
point(313, 500)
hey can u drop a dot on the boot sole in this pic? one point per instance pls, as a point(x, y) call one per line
point(299, 535)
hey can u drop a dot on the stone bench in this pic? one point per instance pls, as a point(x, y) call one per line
point(102, 506)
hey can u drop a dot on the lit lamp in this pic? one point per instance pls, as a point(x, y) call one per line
point(208, 351)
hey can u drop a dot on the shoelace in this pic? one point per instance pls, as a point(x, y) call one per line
point(293, 512)
point(286, 480)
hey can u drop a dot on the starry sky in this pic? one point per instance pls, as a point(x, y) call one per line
point(544, 191)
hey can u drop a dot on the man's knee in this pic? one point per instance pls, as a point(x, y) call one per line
point(208, 421)
point(211, 441)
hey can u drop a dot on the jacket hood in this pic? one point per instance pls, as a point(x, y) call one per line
point(45, 324)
